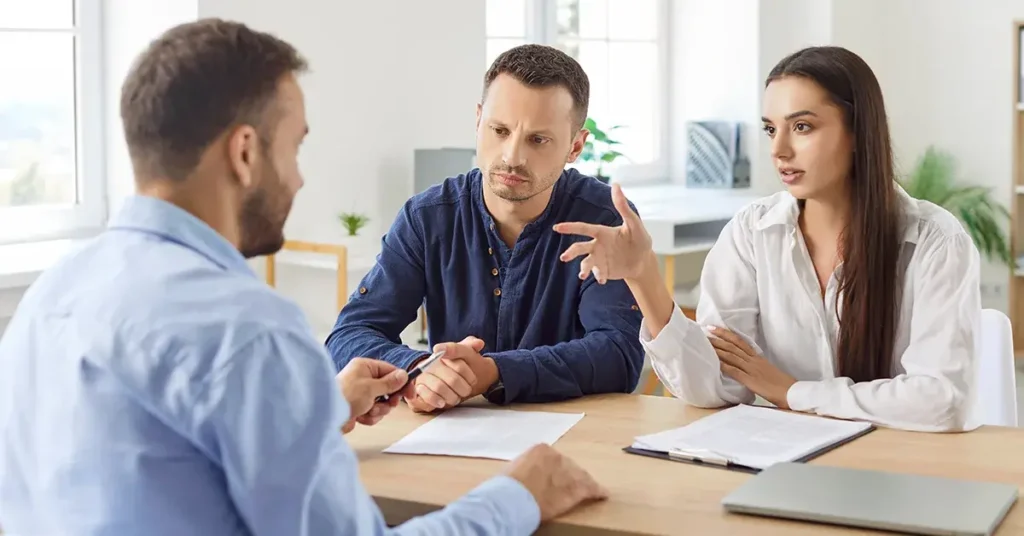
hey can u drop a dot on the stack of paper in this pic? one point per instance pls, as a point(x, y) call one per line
point(485, 433)
point(752, 436)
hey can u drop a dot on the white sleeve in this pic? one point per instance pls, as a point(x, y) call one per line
point(934, 393)
point(681, 355)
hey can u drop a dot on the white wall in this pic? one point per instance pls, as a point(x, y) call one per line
point(945, 68)
point(128, 26)
point(713, 58)
point(387, 77)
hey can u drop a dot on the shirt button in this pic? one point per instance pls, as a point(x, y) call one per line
point(494, 271)
point(362, 290)
point(490, 251)
point(497, 292)
point(634, 307)
point(492, 226)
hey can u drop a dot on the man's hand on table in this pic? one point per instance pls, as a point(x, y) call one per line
point(362, 381)
point(461, 374)
point(555, 481)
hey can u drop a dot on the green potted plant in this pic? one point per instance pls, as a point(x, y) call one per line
point(353, 222)
point(934, 179)
point(600, 148)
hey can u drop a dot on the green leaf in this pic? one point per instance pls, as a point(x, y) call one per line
point(934, 179)
point(610, 156)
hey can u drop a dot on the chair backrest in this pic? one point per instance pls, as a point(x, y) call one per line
point(995, 376)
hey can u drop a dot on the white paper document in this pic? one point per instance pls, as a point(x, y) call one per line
point(751, 436)
point(485, 433)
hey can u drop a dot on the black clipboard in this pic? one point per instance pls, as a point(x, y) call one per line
point(743, 468)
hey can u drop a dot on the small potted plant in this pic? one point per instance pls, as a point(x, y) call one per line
point(600, 148)
point(353, 222)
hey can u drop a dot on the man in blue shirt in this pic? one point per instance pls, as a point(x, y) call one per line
point(151, 384)
point(521, 325)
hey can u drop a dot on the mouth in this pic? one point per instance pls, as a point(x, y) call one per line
point(790, 175)
point(509, 179)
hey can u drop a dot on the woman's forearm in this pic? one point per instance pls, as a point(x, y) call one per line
point(652, 297)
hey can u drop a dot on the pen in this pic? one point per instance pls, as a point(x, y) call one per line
point(414, 373)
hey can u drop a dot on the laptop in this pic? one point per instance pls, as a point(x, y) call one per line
point(874, 499)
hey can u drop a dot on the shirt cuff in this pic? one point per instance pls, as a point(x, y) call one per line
point(514, 505)
point(510, 371)
point(806, 395)
point(405, 358)
point(667, 341)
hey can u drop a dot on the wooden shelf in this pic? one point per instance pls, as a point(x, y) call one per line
point(1016, 286)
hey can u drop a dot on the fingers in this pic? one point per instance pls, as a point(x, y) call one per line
point(454, 350)
point(585, 487)
point(376, 413)
point(378, 368)
point(578, 249)
point(392, 382)
point(722, 345)
point(629, 218)
point(586, 266)
point(436, 392)
point(474, 343)
point(733, 372)
point(733, 338)
point(579, 228)
point(419, 405)
point(456, 375)
point(732, 359)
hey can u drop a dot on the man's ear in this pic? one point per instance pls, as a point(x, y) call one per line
point(243, 153)
point(577, 145)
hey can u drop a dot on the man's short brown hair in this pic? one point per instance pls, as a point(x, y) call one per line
point(544, 66)
point(193, 83)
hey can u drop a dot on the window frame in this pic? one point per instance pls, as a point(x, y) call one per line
point(88, 216)
point(542, 27)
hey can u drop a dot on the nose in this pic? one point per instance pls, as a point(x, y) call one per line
point(512, 152)
point(781, 147)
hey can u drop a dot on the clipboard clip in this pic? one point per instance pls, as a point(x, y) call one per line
point(700, 455)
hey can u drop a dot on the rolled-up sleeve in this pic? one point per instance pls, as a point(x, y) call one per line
point(681, 355)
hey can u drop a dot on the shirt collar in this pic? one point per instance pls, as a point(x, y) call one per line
point(170, 222)
point(787, 212)
point(556, 196)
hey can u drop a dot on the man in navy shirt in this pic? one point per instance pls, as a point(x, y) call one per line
point(518, 324)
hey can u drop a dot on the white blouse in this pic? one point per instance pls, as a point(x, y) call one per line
point(759, 282)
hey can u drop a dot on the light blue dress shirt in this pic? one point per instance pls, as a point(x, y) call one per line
point(151, 384)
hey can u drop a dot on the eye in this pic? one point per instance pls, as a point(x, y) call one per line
point(769, 130)
point(539, 140)
point(802, 127)
point(500, 131)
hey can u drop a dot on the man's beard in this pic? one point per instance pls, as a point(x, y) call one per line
point(509, 193)
point(264, 212)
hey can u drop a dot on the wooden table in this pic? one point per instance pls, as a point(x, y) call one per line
point(651, 496)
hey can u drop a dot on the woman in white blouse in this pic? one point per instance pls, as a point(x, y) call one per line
point(841, 296)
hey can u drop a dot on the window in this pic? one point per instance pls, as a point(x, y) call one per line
point(51, 149)
point(622, 46)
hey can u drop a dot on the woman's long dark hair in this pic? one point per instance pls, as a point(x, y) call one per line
point(870, 242)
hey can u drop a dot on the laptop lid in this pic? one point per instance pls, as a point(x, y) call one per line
point(874, 499)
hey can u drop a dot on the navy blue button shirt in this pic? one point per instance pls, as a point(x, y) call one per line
point(552, 336)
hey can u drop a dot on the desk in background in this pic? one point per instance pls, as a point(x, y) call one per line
point(650, 496)
point(684, 220)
